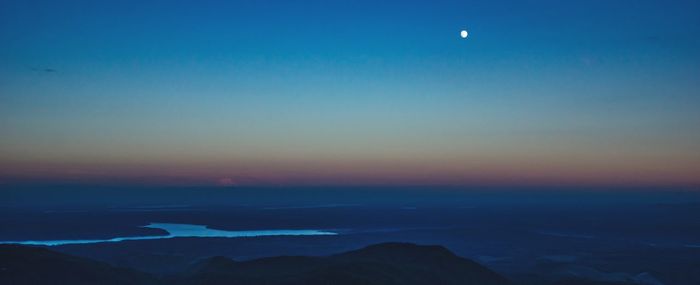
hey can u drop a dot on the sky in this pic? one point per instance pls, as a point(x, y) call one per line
point(350, 92)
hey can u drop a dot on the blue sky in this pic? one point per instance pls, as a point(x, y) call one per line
point(339, 92)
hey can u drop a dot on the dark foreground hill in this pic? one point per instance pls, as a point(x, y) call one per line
point(21, 265)
point(389, 263)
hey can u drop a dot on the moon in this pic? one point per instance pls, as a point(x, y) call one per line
point(464, 34)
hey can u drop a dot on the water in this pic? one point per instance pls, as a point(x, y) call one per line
point(180, 230)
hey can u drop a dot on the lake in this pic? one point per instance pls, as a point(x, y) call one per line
point(181, 230)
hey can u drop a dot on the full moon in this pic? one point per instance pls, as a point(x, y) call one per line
point(464, 34)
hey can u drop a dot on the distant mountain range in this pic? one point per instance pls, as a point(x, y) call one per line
point(386, 263)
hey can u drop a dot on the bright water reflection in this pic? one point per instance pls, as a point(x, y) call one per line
point(180, 230)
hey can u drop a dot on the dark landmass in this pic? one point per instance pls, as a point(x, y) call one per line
point(386, 263)
point(33, 265)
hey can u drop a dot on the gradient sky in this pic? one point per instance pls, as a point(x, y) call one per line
point(351, 92)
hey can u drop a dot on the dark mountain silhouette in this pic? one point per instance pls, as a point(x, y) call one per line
point(21, 265)
point(387, 263)
point(590, 282)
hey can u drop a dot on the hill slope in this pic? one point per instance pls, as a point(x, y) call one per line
point(37, 266)
point(388, 263)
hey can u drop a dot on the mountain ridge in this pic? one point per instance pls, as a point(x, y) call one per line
point(385, 263)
